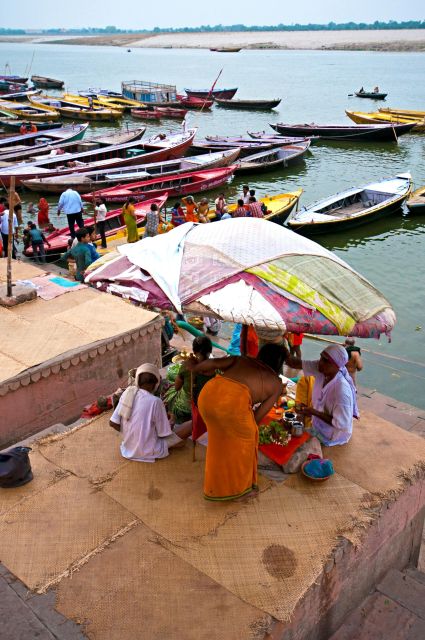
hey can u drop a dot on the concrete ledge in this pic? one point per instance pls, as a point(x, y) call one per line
point(58, 389)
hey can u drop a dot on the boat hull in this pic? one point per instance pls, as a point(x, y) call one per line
point(179, 185)
point(225, 94)
point(371, 95)
point(103, 159)
point(248, 105)
point(370, 133)
point(15, 125)
point(88, 181)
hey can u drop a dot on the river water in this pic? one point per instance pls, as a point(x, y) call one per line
point(314, 86)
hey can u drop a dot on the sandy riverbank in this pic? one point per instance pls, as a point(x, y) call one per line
point(388, 40)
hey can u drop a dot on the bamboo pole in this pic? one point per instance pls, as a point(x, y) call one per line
point(10, 237)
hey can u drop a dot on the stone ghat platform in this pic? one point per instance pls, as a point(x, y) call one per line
point(60, 354)
point(131, 550)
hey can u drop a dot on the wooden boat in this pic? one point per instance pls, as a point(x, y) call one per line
point(114, 224)
point(158, 148)
point(272, 159)
point(43, 82)
point(15, 124)
point(89, 103)
point(362, 132)
point(47, 148)
point(276, 140)
point(353, 207)
point(278, 206)
point(224, 94)
point(191, 102)
point(182, 184)
point(150, 93)
point(246, 148)
point(171, 112)
point(94, 180)
point(26, 140)
point(12, 87)
point(416, 201)
point(28, 111)
point(146, 114)
point(75, 111)
point(254, 105)
point(60, 133)
point(405, 113)
point(19, 96)
point(17, 79)
point(371, 95)
point(378, 118)
point(279, 140)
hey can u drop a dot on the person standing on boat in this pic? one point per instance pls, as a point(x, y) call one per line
point(100, 212)
point(130, 220)
point(71, 204)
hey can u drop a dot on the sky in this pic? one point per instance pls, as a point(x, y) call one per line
point(144, 14)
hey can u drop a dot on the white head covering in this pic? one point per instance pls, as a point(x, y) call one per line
point(339, 357)
point(337, 354)
point(129, 395)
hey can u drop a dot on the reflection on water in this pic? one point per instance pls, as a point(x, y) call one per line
point(314, 86)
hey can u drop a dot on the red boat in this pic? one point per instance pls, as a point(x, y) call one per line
point(146, 114)
point(223, 94)
point(181, 184)
point(58, 240)
point(156, 149)
point(171, 112)
point(195, 103)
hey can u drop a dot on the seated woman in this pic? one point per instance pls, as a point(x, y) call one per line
point(143, 422)
point(177, 215)
point(203, 208)
point(333, 402)
point(226, 404)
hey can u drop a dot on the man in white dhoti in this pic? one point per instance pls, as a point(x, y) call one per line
point(142, 419)
point(334, 402)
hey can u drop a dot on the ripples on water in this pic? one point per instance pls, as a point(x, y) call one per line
point(314, 86)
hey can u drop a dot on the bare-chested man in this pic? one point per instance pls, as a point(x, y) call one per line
point(355, 362)
point(226, 404)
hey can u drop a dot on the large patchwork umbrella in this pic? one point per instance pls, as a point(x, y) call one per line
point(250, 271)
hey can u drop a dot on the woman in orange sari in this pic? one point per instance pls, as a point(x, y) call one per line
point(43, 213)
point(226, 406)
point(191, 209)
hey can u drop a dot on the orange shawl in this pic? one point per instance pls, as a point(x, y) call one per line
point(231, 461)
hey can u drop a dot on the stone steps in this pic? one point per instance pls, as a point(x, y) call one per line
point(395, 611)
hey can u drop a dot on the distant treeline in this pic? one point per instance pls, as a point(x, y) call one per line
point(331, 26)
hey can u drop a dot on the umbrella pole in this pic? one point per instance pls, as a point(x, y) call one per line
point(194, 451)
point(193, 441)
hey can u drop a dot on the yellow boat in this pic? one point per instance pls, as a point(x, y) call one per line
point(376, 117)
point(278, 207)
point(74, 110)
point(126, 103)
point(416, 201)
point(27, 111)
point(407, 113)
point(77, 99)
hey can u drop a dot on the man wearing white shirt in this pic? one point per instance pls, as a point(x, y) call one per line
point(70, 202)
point(100, 212)
point(4, 228)
point(142, 420)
